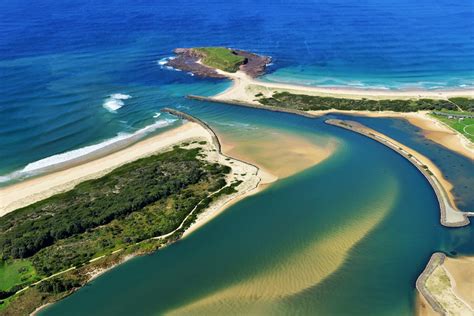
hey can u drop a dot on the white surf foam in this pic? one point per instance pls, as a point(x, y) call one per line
point(115, 101)
point(80, 154)
point(157, 114)
point(163, 61)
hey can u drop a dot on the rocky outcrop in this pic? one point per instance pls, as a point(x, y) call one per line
point(187, 59)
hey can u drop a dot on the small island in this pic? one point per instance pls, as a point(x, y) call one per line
point(211, 61)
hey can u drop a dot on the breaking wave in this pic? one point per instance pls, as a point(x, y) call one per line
point(79, 155)
point(115, 101)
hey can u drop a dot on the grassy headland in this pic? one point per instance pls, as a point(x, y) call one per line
point(221, 58)
point(116, 215)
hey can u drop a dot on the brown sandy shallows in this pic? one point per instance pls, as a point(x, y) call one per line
point(293, 273)
point(245, 88)
point(281, 154)
point(277, 155)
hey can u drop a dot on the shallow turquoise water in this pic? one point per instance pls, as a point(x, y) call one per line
point(294, 218)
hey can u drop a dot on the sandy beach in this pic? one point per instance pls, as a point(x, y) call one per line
point(245, 88)
point(41, 187)
point(446, 286)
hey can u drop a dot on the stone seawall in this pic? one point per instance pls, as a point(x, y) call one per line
point(450, 215)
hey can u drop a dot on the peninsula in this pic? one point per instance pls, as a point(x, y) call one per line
point(148, 194)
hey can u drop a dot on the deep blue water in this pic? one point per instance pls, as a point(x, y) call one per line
point(456, 168)
point(61, 60)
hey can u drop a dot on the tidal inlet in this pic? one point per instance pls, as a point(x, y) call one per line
point(236, 158)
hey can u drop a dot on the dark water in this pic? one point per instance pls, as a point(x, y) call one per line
point(456, 168)
point(349, 236)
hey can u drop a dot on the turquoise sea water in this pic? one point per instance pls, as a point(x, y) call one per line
point(349, 236)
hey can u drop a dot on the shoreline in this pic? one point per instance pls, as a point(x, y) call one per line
point(242, 82)
point(31, 190)
point(431, 128)
point(438, 288)
point(250, 177)
point(450, 215)
point(244, 88)
point(216, 208)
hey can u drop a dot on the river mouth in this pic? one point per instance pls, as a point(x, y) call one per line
point(359, 227)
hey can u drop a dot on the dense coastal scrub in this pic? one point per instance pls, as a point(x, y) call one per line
point(221, 58)
point(115, 215)
point(317, 103)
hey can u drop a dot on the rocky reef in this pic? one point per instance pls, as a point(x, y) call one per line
point(193, 60)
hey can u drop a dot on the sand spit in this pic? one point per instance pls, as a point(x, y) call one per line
point(451, 216)
point(244, 89)
point(35, 189)
point(444, 286)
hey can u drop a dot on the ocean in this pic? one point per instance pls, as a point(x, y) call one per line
point(63, 64)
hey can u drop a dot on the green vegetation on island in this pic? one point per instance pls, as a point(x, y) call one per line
point(316, 103)
point(221, 58)
point(107, 218)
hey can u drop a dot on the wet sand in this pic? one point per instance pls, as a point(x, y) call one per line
point(245, 88)
point(279, 154)
point(41, 187)
point(461, 273)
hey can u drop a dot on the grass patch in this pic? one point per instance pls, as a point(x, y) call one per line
point(15, 272)
point(465, 126)
point(220, 58)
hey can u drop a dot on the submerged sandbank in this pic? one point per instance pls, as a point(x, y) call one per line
point(280, 154)
point(317, 260)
